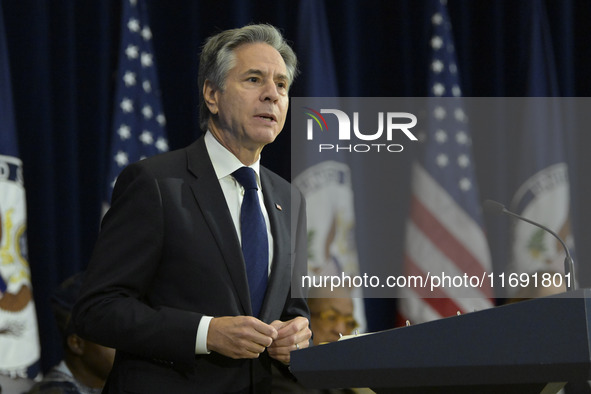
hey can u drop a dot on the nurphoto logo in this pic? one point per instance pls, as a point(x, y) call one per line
point(389, 124)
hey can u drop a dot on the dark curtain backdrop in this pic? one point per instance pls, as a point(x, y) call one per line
point(63, 56)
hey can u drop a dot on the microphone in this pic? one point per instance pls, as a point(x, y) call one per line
point(569, 265)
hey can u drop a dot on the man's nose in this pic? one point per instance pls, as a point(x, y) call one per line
point(270, 92)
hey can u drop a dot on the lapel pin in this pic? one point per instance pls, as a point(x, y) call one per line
point(278, 207)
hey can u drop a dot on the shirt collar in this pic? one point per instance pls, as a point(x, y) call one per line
point(224, 162)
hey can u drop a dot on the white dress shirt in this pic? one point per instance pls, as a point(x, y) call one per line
point(224, 164)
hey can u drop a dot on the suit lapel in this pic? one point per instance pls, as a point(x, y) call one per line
point(208, 194)
point(278, 207)
point(211, 201)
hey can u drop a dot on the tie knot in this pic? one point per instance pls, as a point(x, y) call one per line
point(246, 177)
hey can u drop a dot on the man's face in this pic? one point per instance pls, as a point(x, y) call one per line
point(252, 108)
point(98, 359)
point(331, 317)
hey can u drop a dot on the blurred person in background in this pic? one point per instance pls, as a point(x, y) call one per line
point(331, 316)
point(86, 365)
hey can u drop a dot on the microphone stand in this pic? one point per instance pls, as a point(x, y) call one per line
point(569, 264)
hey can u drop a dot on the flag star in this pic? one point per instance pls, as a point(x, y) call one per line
point(460, 115)
point(440, 136)
point(439, 113)
point(126, 105)
point(436, 42)
point(146, 138)
point(139, 122)
point(463, 161)
point(161, 144)
point(146, 33)
point(124, 132)
point(437, 66)
point(438, 89)
point(121, 158)
point(465, 184)
point(133, 25)
point(456, 91)
point(129, 78)
point(442, 160)
point(450, 48)
point(453, 68)
point(147, 112)
point(131, 52)
point(147, 86)
point(462, 138)
point(146, 59)
point(436, 19)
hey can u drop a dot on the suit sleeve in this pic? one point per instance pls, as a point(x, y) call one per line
point(296, 304)
point(113, 308)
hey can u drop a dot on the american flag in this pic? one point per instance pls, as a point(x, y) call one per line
point(444, 232)
point(138, 122)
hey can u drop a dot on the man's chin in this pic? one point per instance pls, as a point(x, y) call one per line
point(265, 136)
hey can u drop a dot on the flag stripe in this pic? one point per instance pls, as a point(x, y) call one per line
point(429, 258)
point(450, 246)
point(413, 269)
point(450, 214)
point(417, 310)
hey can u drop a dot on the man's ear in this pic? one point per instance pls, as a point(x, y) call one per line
point(75, 344)
point(210, 96)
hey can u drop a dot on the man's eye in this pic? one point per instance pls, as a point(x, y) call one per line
point(253, 79)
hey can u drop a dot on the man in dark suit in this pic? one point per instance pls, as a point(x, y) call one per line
point(167, 284)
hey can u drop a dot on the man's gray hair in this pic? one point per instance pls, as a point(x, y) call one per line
point(217, 58)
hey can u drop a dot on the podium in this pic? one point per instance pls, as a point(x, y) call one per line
point(533, 346)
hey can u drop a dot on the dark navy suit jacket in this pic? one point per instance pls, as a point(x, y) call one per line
point(166, 255)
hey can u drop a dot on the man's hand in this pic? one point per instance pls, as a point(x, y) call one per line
point(240, 336)
point(291, 335)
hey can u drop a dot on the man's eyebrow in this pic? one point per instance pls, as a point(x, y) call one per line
point(340, 312)
point(255, 71)
point(282, 77)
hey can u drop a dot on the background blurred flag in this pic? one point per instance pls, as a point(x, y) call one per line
point(445, 227)
point(138, 122)
point(543, 192)
point(326, 184)
point(19, 340)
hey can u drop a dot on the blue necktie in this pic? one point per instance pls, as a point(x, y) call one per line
point(255, 245)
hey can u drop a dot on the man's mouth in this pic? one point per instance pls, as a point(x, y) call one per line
point(267, 117)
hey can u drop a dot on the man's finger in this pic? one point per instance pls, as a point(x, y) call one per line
point(239, 336)
point(292, 327)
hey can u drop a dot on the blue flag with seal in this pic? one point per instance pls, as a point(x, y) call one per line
point(543, 192)
point(326, 184)
point(138, 122)
point(19, 337)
